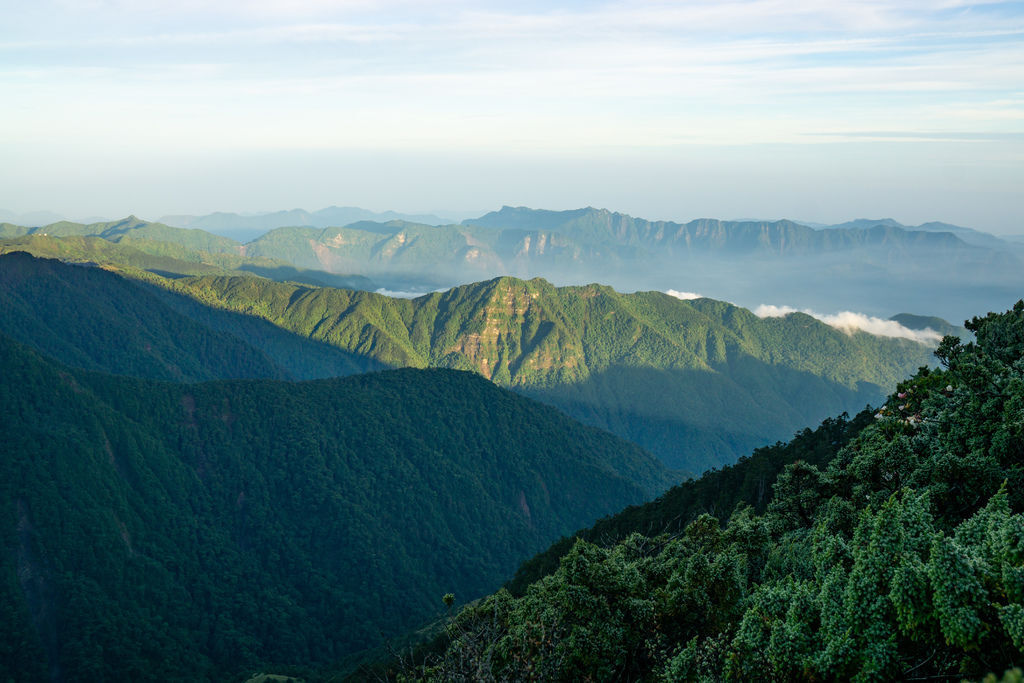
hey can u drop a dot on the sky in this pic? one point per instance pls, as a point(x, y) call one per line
point(822, 111)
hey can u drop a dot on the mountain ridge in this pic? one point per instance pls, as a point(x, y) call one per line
point(252, 225)
point(623, 229)
point(699, 382)
point(96, 319)
point(876, 268)
point(585, 348)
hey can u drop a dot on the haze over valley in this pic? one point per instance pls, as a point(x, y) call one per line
point(874, 267)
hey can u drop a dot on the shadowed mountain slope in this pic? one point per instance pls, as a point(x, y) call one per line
point(98, 320)
point(159, 529)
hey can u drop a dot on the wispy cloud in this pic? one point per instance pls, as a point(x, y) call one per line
point(685, 296)
point(850, 322)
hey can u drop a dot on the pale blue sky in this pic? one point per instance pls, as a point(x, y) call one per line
point(817, 111)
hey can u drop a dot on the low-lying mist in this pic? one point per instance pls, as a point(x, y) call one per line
point(866, 293)
point(850, 322)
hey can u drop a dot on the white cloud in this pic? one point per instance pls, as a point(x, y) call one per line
point(850, 322)
point(772, 311)
point(465, 75)
point(685, 296)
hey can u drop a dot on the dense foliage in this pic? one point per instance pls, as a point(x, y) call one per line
point(93, 319)
point(157, 530)
point(96, 320)
point(716, 493)
point(901, 558)
point(698, 383)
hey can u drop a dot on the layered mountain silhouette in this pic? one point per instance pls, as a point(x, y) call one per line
point(872, 266)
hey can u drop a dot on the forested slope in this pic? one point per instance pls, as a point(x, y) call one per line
point(901, 557)
point(717, 493)
point(698, 383)
point(93, 319)
point(157, 530)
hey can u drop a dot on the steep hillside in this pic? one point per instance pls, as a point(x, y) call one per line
point(748, 482)
point(97, 250)
point(94, 319)
point(897, 556)
point(698, 382)
point(157, 530)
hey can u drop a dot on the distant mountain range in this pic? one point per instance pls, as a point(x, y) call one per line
point(876, 269)
point(245, 226)
point(250, 226)
point(968, 235)
point(871, 266)
point(784, 238)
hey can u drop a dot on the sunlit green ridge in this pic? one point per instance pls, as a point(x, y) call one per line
point(698, 383)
